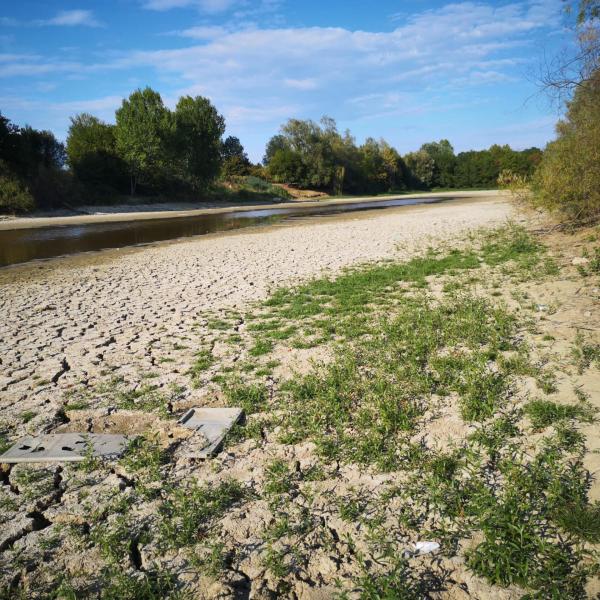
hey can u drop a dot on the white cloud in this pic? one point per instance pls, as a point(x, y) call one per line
point(256, 74)
point(207, 6)
point(72, 18)
point(301, 84)
point(203, 32)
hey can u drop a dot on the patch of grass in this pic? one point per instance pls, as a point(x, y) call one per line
point(28, 415)
point(218, 324)
point(363, 405)
point(511, 243)
point(211, 558)
point(582, 520)
point(192, 509)
point(203, 361)
point(77, 405)
point(543, 413)
point(521, 545)
point(585, 353)
point(251, 397)
point(144, 458)
point(261, 346)
point(118, 584)
point(278, 478)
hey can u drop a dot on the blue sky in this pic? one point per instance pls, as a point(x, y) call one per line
point(410, 72)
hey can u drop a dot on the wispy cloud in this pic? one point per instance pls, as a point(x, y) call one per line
point(73, 18)
point(264, 74)
point(64, 18)
point(207, 6)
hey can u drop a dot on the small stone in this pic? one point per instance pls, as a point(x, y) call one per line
point(579, 260)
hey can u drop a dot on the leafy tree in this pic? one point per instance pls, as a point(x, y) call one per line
point(14, 196)
point(568, 179)
point(421, 167)
point(198, 131)
point(234, 158)
point(141, 133)
point(312, 154)
point(442, 153)
point(92, 152)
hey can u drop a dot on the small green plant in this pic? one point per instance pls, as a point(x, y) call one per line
point(191, 509)
point(28, 415)
point(585, 353)
point(543, 413)
point(251, 397)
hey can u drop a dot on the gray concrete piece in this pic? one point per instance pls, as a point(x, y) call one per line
point(64, 447)
point(213, 423)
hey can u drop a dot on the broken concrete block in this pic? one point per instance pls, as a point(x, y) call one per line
point(213, 424)
point(59, 447)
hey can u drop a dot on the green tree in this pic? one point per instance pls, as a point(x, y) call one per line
point(234, 158)
point(141, 134)
point(421, 167)
point(92, 152)
point(442, 153)
point(568, 179)
point(198, 131)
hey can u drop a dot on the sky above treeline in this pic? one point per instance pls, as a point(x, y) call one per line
point(410, 72)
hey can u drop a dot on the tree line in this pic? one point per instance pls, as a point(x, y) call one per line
point(149, 150)
point(317, 155)
point(568, 179)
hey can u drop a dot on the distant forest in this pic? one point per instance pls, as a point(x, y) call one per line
point(158, 153)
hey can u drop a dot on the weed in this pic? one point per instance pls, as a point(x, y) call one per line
point(543, 413)
point(261, 346)
point(211, 558)
point(585, 354)
point(204, 360)
point(192, 508)
point(250, 397)
point(28, 415)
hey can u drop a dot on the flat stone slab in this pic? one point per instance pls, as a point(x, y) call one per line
point(213, 424)
point(64, 447)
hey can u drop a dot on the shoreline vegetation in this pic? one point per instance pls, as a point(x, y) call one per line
point(436, 399)
point(153, 155)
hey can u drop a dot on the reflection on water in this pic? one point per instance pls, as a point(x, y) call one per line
point(23, 245)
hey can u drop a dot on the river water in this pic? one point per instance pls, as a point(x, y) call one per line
point(19, 246)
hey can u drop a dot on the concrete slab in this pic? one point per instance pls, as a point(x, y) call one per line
point(213, 424)
point(64, 447)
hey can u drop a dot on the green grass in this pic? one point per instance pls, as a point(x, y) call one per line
point(190, 511)
point(362, 407)
point(203, 361)
point(585, 353)
point(28, 415)
point(251, 397)
point(543, 413)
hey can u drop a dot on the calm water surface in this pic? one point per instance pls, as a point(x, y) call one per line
point(23, 245)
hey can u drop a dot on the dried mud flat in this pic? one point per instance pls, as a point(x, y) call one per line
point(125, 342)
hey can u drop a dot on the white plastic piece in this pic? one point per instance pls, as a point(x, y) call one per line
point(213, 424)
point(64, 447)
point(425, 548)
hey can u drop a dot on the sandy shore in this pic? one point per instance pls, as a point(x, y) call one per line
point(68, 321)
point(114, 214)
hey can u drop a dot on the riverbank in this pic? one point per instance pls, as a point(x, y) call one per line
point(386, 406)
point(121, 213)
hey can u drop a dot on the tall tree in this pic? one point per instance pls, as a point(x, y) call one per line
point(422, 168)
point(442, 153)
point(141, 134)
point(568, 179)
point(198, 131)
point(92, 152)
point(235, 161)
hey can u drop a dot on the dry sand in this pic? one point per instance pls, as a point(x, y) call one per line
point(67, 321)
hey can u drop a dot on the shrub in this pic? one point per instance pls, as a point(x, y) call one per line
point(14, 197)
point(568, 180)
